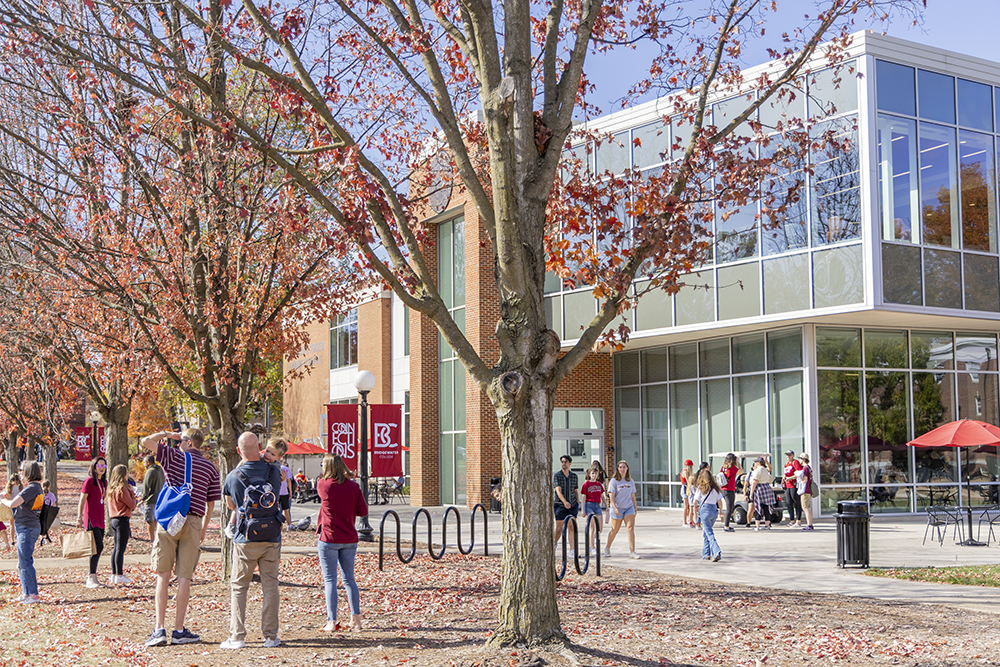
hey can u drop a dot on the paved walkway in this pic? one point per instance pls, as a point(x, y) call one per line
point(782, 558)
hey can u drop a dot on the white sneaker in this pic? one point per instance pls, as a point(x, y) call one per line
point(113, 579)
point(229, 532)
point(92, 581)
point(570, 554)
point(122, 579)
point(272, 643)
point(634, 556)
point(607, 552)
point(233, 643)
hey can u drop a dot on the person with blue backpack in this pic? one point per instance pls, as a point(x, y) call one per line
point(251, 490)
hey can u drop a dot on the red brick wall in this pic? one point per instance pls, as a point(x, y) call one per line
point(375, 345)
point(591, 385)
point(425, 486)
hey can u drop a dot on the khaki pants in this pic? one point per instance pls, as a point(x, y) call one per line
point(247, 557)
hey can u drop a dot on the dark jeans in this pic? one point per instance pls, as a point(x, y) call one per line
point(123, 532)
point(99, 544)
point(794, 508)
point(730, 505)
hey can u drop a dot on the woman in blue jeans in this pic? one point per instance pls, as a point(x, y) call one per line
point(341, 503)
point(27, 506)
point(708, 498)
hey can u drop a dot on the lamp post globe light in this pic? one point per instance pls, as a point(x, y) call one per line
point(364, 382)
point(95, 446)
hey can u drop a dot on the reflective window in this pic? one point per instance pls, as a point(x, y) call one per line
point(655, 433)
point(787, 416)
point(786, 284)
point(836, 183)
point(836, 278)
point(839, 422)
point(683, 361)
point(739, 291)
point(654, 310)
point(838, 347)
point(897, 179)
point(976, 351)
point(649, 144)
point(735, 232)
point(751, 410)
point(785, 108)
point(784, 349)
point(684, 424)
point(937, 96)
point(344, 339)
point(714, 357)
point(942, 279)
point(716, 416)
point(724, 112)
point(885, 349)
point(680, 136)
point(901, 276)
point(982, 283)
point(626, 368)
point(553, 314)
point(975, 105)
point(888, 412)
point(612, 154)
point(654, 365)
point(748, 353)
point(695, 302)
point(978, 181)
point(938, 183)
point(833, 91)
point(784, 212)
point(932, 350)
point(580, 307)
point(894, 88)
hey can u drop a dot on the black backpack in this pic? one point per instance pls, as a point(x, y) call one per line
point(260, 516)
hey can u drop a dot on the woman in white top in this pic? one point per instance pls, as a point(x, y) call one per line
point(621, 492)
point(709, 497)
point(761, 494)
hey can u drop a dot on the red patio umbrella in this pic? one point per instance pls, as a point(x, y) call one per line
point(297, 448)
point(961, 433)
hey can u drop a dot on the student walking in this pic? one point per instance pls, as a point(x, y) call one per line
point(90, 513)
point(121, 504)
point(621, 493)
point(593, 492)
point(805, 480)
point(152, 483)
point(791, 491)
point(731, 470)
point(341, 503)
point(27, 506)
point(709, 499)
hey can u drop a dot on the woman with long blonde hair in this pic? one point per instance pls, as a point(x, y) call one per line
point(708, 497)
point(121, 504)
point(341, 503)
point(621, 493)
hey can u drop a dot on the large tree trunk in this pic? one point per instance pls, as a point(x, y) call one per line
point(116, 415)
point(51, 454)
point(227, 427)
point(10, 453)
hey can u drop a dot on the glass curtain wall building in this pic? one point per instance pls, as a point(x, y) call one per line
point(862, 319)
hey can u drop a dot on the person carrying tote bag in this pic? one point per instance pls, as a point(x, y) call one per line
point(27, 506)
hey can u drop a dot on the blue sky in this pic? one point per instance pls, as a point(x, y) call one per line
point(967, 26)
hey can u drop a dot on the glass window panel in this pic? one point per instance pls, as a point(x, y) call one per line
point(553, 314)
point(626, 368)
point(739, 291)
point(888, 412)
point(629, 430)
point(928, 496)
point(932, 350)
point(458, 262)
point(897, 179)
point(552, 283)
point(787, 413)
point(683, 425)
point(978, 179)
point(786, 107)
point(981, 283)
point(933, 402)
point(445, 268)
point(936, 96)
point(885, 349)
point(654, 365)
point(784, 210)
point(695, 302)
point(735, 232)
point(971, 395)
point(834, 90)
point(996, 107)
point(683, 361)
point(461, 479)
point(982, 464)
point(724, 112)
point(888, 499)
point(784, 349)
point(942, 279)
point(581, 307)
point(649, 144)
point(459, 373)
point(447, 396)
point(716, 417)
point(975, 105)
point(901, 277)
point(836, 278)
point(894, 88)
point(560, 419)
point(839, 421)
point(838, 347)
point(612, 154)
point(976, 351)
point(655, 310)
point(786, 284)
point(830, 496)
point(938, 186)
point(714, 357)
point(836, 183)
point(656, 433)
point(680, 136)
point(748, 353)
point(585, 419)
point(751, 410)
point(446, 464)
point(659, 495)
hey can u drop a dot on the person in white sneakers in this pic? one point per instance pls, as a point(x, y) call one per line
point(121, 503)
point(567, 503)
point(621, 491)
point(90, 513)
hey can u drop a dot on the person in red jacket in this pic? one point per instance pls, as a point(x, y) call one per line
point(341, 503)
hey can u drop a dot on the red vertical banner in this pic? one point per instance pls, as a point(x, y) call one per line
point(102, 442)
point(81, 447)
point(342, 432)
point(386, 440)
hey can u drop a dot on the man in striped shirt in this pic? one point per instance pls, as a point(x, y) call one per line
point(179, 553)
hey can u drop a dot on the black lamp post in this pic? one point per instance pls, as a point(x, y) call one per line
point(95, 446)
point(364, 382)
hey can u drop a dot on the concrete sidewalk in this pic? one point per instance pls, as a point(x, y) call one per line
point(782, 558)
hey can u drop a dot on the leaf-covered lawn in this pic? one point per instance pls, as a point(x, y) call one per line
point(967, 575)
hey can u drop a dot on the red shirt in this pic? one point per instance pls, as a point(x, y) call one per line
point(731, 473)
point(95, 503)
point(592, 491)
point(790, 469)
point(340, 505)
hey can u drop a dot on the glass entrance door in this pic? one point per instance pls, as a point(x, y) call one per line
point(582, 448)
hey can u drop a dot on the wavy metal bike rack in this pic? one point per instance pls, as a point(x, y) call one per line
point(576, 551)
point(430, 529)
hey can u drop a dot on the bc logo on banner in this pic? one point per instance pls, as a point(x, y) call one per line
point(387, 440)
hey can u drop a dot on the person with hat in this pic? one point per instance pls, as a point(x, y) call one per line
point(687, 476)
point(760, 494)
point(792, 466)
point(804, 483)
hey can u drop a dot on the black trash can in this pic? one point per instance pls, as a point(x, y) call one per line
point(853, 538)
point(494, 494)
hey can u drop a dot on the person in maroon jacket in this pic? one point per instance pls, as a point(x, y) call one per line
point(791, 492)
point(341, 503)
